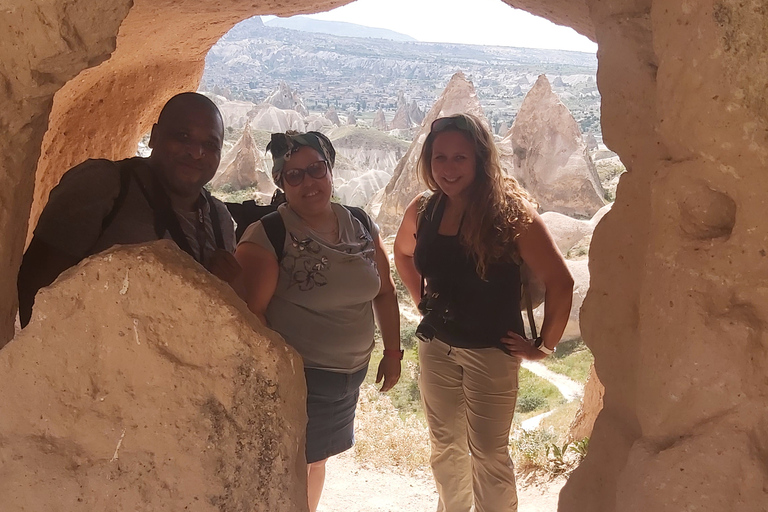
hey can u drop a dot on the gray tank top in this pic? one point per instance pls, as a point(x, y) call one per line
point(322, 304)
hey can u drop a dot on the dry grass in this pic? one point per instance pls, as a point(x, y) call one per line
point(384, 438)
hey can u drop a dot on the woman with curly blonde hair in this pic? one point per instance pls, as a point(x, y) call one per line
point(459, 251)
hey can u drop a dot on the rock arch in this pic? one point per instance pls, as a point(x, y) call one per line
point(677, 311)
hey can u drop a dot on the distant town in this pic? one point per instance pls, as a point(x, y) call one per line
point(363, 75)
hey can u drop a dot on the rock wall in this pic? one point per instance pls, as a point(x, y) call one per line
point(678, 306)
point(42, 47)
point(113, 400)
point(591, 405)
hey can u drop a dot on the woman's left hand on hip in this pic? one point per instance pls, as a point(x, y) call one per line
point(520, 347)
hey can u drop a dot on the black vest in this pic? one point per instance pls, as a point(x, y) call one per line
point(481, 311)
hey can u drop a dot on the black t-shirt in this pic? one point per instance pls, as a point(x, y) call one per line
point(480, 312)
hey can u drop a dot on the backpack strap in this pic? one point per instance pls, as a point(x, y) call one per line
point(215, 221)
point(360, 215)
point(425, 210)
point(274, 227)
point(125, 183)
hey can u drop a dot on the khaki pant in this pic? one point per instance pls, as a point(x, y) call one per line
point(469, 399)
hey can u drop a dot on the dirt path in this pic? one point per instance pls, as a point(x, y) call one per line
point(570, 389)
point(352, 488)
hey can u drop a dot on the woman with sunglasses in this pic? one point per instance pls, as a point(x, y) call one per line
point(332, 274)
point(458, 252)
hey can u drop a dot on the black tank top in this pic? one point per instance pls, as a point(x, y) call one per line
point(482, 311)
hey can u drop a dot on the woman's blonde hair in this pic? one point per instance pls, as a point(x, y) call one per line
point(495, 214)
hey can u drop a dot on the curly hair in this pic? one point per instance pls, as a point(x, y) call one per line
point(496, 213)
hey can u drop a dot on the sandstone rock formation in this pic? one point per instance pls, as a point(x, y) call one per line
point(351, 118)
point(144, 383)
point(286, 99)
point(458, 96)
point(380, 121)
point(318, 123)
point(568, 231)
point(243, 167)
point(235, 113)
point(360, 189)
point(415, 113)
point(551, 159)
point(591, 405)
point(345, 170)
point(332, 116)
point(401, 121)
point(580, 271)
point(367, 148)
point(272, 119)
point(591, 142)
point(407, 115)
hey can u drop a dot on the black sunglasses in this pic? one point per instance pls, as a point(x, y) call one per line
point(316, 170)
point(458, 122)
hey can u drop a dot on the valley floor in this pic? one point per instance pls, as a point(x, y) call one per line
point(349, 487)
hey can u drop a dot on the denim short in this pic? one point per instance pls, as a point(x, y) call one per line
point(331, 402)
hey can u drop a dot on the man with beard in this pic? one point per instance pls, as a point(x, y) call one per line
point(100, 203)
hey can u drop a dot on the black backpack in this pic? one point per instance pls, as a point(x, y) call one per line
point(248, 212)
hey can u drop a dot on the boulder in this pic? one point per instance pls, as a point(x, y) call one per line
point(458, 97)
point(551, 159)
point(145, 383)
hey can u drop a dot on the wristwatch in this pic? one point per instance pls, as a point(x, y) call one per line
point(539, 344)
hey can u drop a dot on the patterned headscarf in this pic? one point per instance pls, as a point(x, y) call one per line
point(283, 145)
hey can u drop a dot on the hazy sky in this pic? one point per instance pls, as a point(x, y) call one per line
point(489, 22)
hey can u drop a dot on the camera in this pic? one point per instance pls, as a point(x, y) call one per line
point(436, 311)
